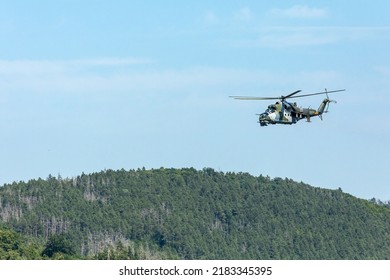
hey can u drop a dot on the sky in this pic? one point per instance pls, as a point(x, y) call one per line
point(93, 85)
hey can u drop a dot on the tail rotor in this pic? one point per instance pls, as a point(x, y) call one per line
point(324, 106)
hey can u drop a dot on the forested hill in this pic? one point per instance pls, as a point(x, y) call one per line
point(187, 214)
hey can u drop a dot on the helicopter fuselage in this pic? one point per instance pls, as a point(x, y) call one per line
point(283, 112)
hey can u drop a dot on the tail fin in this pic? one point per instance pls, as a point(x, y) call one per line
point(322, 107)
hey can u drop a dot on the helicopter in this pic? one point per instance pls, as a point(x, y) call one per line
point(284, 112)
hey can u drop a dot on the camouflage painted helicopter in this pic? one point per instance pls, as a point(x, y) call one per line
point(283, 112)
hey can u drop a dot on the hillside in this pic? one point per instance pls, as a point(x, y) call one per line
point(187, 214)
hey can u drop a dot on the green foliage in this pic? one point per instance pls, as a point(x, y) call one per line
point(13, 246)
point(9, 240)
point(190, 214)
point(59, 246)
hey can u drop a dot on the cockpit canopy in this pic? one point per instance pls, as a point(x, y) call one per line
point(271, 108)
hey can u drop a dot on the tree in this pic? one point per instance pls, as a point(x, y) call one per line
point(9, 240)
point(59, 244)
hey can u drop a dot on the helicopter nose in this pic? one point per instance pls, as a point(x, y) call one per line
point(264, 116)
point(263, 119)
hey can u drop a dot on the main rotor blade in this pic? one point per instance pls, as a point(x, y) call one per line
point(291, 94)
point(254, 98)
point(264, 98)
point(317, 93)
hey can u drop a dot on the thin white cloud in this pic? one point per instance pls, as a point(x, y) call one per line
point(301, 12)
point(244, 14)
point(111, 61)
point(34, 67)
point(51, 77)
point(78, 76)
point(384, 71)
point(63, 75)
point(289, 36)
point(210, 18)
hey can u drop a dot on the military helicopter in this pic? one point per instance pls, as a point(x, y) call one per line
point(283, 112)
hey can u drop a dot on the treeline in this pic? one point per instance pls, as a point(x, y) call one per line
point(381, 203)
point(14, 246)
point(189, 214)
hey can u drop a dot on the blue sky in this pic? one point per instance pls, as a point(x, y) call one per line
point(92, 85)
